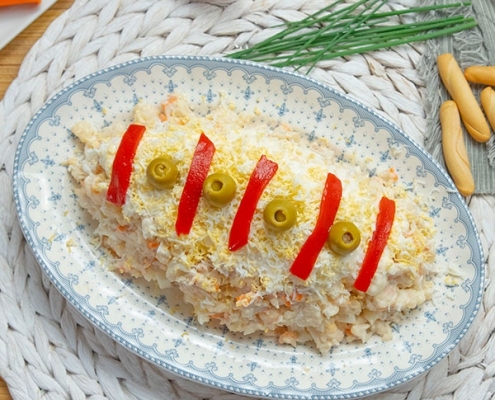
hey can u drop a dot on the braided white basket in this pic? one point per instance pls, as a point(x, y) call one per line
point(47, 349)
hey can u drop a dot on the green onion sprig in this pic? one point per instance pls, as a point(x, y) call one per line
point(356, 28)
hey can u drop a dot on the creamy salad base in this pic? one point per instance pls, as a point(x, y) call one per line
point(252, 289)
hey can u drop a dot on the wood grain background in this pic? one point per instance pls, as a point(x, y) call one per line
point(11, 57)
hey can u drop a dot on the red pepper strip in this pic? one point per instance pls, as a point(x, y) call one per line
point(329, 205)
point(262, 174)
point(189, 200)
point(383, 227)
point(122, 164)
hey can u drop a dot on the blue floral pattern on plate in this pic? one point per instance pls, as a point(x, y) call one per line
point(159, 326)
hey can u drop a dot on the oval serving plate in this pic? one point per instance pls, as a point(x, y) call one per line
point(159, 326)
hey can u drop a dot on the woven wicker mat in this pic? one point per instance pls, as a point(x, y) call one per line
point(49, 351)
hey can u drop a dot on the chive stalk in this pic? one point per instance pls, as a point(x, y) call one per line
point(362, 37)
point(354, 28)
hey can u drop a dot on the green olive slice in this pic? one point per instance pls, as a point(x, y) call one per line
point(162, 173)
point(344, 237)
point(280, 214)
point(219, 189)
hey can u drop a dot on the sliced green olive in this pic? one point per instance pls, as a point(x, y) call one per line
point(344, 237)
point(280, 214)
point(162, 173)
point(219, 189)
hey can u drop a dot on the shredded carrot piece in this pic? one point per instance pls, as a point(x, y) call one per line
point(153, 244)
point(122, 228)
point(241, 297)
point(244, 300)
point(164, 105)
point(295, 296)
point(394, 174)
point(14, 2)
point(170, 100)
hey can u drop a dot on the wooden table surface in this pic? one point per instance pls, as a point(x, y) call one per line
point(11, 57)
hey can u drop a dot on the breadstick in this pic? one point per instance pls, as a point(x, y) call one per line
point(480, 74)
point(487, 98)
point(461, 93)
point(454, 148)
